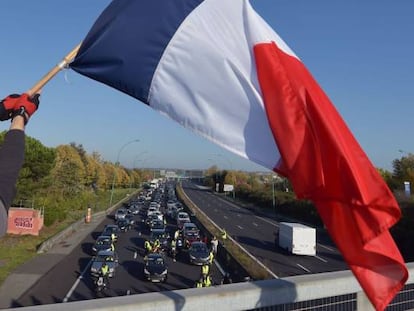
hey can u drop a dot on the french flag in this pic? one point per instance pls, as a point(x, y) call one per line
point(217, 68)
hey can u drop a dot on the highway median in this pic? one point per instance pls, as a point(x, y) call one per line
point(234, 255)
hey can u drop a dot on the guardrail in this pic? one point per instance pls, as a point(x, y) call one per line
point(48, 244)
point(330, 291)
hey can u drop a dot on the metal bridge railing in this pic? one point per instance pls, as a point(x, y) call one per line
point(323, 291)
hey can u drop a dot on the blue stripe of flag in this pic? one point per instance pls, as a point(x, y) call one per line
point(133, 32)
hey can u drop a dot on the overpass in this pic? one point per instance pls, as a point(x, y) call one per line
point(323, 291)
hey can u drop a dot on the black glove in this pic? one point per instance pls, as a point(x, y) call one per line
point(7, 106)
point(25, 106)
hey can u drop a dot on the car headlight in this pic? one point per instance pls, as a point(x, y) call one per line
point(93, 269)
point(146, 271)
point(192, 257)
point(164, 272)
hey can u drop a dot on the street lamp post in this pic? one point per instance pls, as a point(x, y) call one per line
point(117, 163)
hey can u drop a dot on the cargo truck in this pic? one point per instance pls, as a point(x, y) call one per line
point(297, 238)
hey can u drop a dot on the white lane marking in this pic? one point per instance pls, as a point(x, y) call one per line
point(255, 224)
point(326, 247)
point(72, 289)
point(240, 227)
point(321, 259)
point(268, 221)
point(225, 217)
point(302, 267)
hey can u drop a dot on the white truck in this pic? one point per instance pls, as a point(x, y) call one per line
point(297, 238)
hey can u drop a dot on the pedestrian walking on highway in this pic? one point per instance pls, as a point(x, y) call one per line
point(207, 281)
point(147, 247)
point(223, 234)
point(156, 246)
point(199, 283)
point(205, 270)
point(211, 259)
point(18, 108)
point(176, 234)
point(173, 249)
point(214, 245)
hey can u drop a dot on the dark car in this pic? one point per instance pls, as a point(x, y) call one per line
point(109, 229)
point(155, 268)
point(157, 224)
point(150, 219)
point(134, 209)
point(130, 218)
point(120, 213)
point(102, 243)
point(110, 257)
point(123, 225)
point(199, 253)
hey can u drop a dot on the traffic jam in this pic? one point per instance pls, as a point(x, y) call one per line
point(166, 233)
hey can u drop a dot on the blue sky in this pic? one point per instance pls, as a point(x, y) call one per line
point(360, 52)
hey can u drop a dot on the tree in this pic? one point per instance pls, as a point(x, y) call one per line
point(33, 176)
point(403, 170)
point(69, 172)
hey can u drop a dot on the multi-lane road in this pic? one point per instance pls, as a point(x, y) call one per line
point(256, 233)
point(70, 279)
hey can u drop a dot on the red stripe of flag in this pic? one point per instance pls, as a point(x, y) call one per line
point(325, 164)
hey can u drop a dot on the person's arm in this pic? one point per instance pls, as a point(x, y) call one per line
point(11, 161)
point(19, 108)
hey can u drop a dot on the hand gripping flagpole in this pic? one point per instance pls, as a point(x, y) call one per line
point(63, 64)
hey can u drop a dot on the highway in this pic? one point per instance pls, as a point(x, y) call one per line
point(70, 280)
point(256, 233)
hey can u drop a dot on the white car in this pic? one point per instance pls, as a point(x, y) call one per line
point(160, 215)
point(182, 218)
point(151, 210)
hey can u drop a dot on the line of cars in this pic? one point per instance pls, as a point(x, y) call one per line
point(104, 251)
point(104, 247)
point(152, 207)
point(188, 237)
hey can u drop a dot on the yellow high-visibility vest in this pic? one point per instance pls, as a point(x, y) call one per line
point(205, 269)
point(207, 281)
point(104, 270)
point(223, 234)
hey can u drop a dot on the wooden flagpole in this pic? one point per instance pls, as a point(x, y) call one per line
point(65, 61)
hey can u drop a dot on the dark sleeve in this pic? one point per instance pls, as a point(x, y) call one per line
point(11, 161)
point(3, 219)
